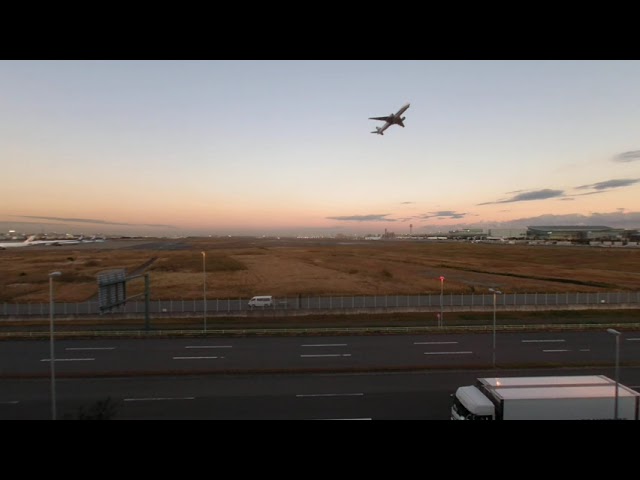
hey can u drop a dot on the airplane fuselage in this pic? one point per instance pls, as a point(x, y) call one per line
point(392, 119)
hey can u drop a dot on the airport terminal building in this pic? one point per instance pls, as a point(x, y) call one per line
point(581, 234)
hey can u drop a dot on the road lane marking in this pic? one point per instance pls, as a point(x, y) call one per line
point(446, 353)
point(552, 351)
point(633, 339)
point(195, 358)
point(68, 359)
point(541, 341)
point(10, 402)
point(326, 345)
point(433, 343)
point(209, 346)
point(155, 399)
point(343, 418)
point(90, 348)
point(329, 355)
point(585, 349)
point(329, 395)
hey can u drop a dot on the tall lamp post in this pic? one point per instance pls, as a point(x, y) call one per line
point(441, 301)
point(204, 288)
point(493, 350)
point(617, 335)
point(52, 359)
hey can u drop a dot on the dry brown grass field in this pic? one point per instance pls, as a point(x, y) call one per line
point(242, 267)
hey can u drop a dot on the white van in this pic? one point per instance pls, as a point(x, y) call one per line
point(264, 301)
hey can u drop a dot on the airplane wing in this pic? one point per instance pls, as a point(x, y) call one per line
point(384, 119)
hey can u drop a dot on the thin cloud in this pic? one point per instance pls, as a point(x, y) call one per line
point(588, 193)
point(626, 157)
point(91, 220)
point(443, 214)
point(378, 217)
point(407, 203)
point(529, 196)
point(616, 219)
point(622, 182)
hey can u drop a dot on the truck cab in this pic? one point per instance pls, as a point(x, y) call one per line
point(469, 403)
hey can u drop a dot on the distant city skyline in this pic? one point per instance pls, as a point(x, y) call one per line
point(624, 220)
point(176, 148)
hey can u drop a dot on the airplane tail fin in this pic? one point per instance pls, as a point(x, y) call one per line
point(30, 239)
point(377, 130)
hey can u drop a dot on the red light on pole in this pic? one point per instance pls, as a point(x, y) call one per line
point(441, 317)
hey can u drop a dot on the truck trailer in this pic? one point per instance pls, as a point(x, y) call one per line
point(578, 397)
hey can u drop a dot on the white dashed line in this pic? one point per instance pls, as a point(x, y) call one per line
point(553, 351)
point(196, 358)
point(343, 419)
point(156, 399)
point(447, 353)
point(10, 402)
point(209, 346)
point(330, 395)
point(329, 355)
point(68, 359)
point(542, 341)
point(90, 348)
point(433, 343)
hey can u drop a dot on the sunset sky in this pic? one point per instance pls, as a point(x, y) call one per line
point(284, 147)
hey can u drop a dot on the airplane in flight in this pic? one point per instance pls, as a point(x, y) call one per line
point(26, 243)
point(392, 119)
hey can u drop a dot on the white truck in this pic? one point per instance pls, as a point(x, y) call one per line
point(578, 397)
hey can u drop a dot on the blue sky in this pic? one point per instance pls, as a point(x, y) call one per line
point(263, 147)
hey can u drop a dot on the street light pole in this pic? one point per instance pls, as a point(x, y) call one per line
point(204, 288)
point(441, 300)
point(617, 335)
point(493, 350)
point(52, 357)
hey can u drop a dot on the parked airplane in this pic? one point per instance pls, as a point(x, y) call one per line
point(94, 239)
point(392, 119)
point(26, 243)
point(56, 243)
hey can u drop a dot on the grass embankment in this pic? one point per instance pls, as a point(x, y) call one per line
point(374, 322)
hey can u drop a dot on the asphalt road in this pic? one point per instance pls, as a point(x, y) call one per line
point(373, 396)
point(168, 356)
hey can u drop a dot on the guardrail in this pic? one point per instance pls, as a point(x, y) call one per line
point(434, 302)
